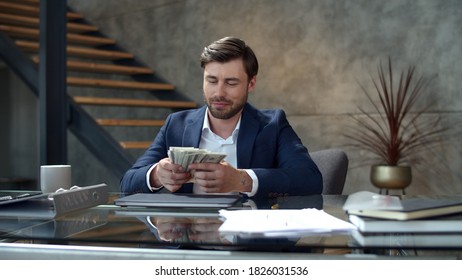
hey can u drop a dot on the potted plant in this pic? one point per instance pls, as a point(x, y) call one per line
point(396, 130)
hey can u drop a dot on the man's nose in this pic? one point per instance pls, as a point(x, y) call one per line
point(221, 91)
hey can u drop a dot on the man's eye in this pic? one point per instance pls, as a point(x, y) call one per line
point(232, 84)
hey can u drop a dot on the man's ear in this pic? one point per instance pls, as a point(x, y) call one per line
point(252, 84)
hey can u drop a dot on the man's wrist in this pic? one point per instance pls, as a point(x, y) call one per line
point(155, 179)
point(245, 181)
point(253, 183)
point(153, 184)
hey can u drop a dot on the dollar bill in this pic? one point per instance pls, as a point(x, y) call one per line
point(187, 155)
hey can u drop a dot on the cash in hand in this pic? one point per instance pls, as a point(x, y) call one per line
point(184, 156)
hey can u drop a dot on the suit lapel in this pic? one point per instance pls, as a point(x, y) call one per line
point(193, 128)
point(247, 133)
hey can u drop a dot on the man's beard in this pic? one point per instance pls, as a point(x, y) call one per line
point(227, 113)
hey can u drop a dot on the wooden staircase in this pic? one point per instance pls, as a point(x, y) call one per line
point(95, 61)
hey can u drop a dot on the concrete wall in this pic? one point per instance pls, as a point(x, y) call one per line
point(312, 55)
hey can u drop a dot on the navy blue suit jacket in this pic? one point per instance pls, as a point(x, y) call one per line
point(266, 143)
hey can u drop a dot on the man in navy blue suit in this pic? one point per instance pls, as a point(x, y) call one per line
point(265, 157)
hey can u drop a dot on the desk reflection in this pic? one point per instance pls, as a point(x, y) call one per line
point(189, 229)
point(197, 230)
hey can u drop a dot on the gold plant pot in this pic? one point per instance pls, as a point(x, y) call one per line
point(391, 177)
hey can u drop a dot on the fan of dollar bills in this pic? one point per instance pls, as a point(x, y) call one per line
point(187, 155)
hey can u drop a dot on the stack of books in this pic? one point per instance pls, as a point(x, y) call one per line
point(417, 222)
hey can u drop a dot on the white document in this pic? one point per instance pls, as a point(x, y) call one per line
point(283, 222)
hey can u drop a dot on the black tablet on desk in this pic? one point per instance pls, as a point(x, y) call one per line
point(25, 206)
point(10, 197)
point(178, 200)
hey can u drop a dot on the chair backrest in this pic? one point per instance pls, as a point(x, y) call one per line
point(333, 164)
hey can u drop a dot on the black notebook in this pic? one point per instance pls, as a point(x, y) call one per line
point(441, 224)
point(408, 240)
point(416, 208)
point(178, 200)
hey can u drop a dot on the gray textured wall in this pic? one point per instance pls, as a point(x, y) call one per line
point(312, 54)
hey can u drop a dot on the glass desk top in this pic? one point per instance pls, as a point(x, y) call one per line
point(191, 229)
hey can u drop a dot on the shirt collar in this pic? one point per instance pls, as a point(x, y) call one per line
point(206, 124)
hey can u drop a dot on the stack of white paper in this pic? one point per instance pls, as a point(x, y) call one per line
point(289, 222)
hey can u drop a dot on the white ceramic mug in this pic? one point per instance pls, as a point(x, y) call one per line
point(53, 177)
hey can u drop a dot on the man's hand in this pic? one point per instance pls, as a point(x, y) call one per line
point(220, 178)
point(198, 230)
point(171, 228)
point(169, 175)
point(205, 230)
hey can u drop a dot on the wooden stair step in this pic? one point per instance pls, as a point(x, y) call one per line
point(129, 122)
point(135, 144)
point(89, 40)
point(85, 100)
point(30, 10)
point(25, 32)
point(107, 68)
point(78, 81)
point(84, 66)
point(79, 51)
point(35, 22)
point(25, 2)
point(80, 27)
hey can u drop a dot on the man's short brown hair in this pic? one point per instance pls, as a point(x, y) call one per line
point(227, 49)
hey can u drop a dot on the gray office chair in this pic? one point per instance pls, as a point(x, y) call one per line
point(333, 164)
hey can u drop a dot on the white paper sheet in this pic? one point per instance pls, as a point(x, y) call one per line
point(283, 222)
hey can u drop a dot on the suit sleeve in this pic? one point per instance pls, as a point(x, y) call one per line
point(134, 180)
point(292, 171)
